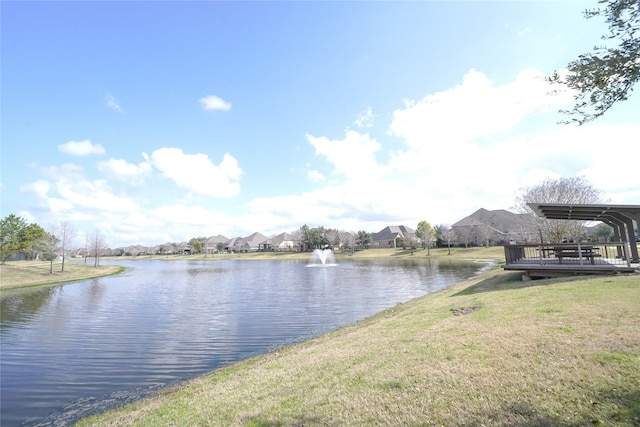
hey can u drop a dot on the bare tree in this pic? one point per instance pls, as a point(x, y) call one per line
point(575, 190)
point(65, 233)
point(411, 241)
point(525, 231)
point(98, 245)
point(333, 236)
point(445, 233)
point(464, 235)
point(86, 247)
point(487, 234)
point(348, 240)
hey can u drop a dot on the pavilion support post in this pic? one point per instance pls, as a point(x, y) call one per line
point(631, 239)
point(626, 254)
point(541, 254)
point(580, 253)
point(618, 232)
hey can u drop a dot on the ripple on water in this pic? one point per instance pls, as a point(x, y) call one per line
point(74, 350)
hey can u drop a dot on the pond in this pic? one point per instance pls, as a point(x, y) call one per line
point(73, 350)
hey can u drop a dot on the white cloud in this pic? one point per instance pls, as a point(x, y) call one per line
point(365, 119)
point(191, 215)
point(353, 205)
point(81, 148)
point(28, 216)
point(66, 170)
point(472, 110)
point(610, 170)
point(315, 176)
point(197, 173)
point(535, 176)
point(353, 156)
point(40, 187)
point(112, 103)
point(213, 102)
point(125, 171)
point(59, 205)
point(68, 187)
point(93, 195)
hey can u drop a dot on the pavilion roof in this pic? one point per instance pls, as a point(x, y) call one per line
point(586, 212)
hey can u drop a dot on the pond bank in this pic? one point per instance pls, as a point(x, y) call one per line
point(491, 350)
point(22, 274)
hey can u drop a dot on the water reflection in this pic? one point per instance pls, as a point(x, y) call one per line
point(17, 306)
point(69, 351)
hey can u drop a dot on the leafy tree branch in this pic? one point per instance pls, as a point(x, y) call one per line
point(607, 75)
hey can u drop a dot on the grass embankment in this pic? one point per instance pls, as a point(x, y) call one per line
point(17, 274)
point(492, 350)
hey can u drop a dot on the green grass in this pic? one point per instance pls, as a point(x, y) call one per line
point(546, 352)
point(17, 274)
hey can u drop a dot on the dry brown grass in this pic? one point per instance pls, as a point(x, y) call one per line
point(553, 352)
point(16, 274)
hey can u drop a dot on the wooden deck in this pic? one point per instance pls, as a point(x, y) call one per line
point(555, 260)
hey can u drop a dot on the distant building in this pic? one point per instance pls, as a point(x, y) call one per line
point(135, 250)
point(210, 244)
point(496, 227)
point(392, 236)
point(252, 243)
point(282, 242)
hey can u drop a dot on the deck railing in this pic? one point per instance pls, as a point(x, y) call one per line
point(569, 254)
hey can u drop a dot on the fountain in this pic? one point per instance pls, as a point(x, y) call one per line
point(322, 258)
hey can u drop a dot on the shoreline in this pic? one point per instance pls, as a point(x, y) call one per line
point(28, 274)
point(32, 274)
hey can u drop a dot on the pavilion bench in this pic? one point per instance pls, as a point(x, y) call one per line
point(573, 252)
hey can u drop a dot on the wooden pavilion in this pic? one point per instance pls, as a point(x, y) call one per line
point(560, 259)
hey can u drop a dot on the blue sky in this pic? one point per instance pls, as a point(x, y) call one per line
point(162, 121)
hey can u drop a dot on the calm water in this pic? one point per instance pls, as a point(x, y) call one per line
point(74, 350)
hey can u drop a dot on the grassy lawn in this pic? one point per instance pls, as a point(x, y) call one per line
point(492, 350)
point(16, 274)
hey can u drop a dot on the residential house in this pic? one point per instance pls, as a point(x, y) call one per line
point(392, 236)
point(164, 249)
point(136, 250)
point(230, 244)
point(252, 243)
point(283, 242)
point(485, 227)
point(210, 244)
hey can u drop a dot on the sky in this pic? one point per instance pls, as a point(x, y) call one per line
point(154, 122)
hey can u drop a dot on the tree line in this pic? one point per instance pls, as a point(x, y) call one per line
point(17, 236)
